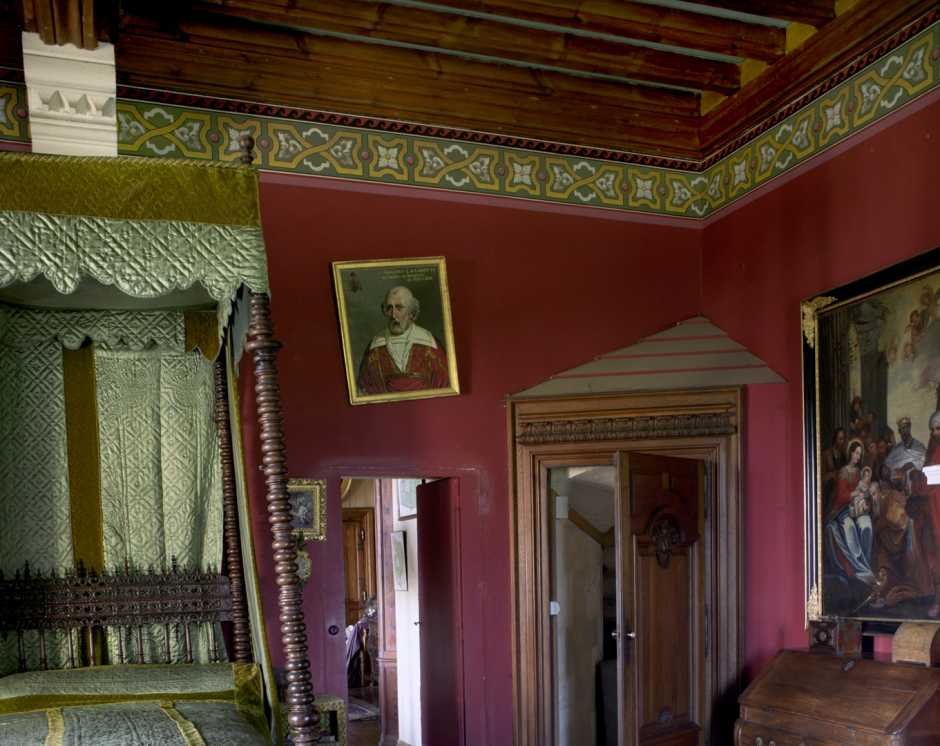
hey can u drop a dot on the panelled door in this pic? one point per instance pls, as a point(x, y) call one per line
point(660, 629)
point(439, 609)
point(628, 601)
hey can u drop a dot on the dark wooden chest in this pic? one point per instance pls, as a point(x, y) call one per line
point(819, 699)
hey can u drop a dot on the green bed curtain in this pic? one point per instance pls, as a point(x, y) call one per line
point(34, 467)
point(161, 493)
point(156, 493)
point(161, 489)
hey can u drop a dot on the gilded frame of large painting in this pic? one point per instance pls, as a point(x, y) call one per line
point(871, 387)
point(398, 338)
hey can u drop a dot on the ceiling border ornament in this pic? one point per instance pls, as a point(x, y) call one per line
point(152, 123)
point(694, 425)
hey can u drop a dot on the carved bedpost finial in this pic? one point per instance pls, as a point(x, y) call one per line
point(173, 568)
point(127, 567)
point(246, 144)
point(26, 571)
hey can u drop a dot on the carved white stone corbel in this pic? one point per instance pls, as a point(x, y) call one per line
point(71, 94)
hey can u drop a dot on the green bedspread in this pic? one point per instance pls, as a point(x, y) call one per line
point(199, 705)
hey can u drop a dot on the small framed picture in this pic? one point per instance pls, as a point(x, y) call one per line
point(406, 492)
point(399, 561)
point(398, 341)
point(308, 508)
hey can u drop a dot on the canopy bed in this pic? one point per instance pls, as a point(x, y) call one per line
point(127, 290)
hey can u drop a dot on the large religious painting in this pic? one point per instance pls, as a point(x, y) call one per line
point(872, 389)
point(398, 341)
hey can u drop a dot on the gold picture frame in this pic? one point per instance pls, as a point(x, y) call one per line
point(308, 508)
point(871, 387)
point(389, 355)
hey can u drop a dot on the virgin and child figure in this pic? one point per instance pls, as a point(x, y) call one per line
point(884, 529)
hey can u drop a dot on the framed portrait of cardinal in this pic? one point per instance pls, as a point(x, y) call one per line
point(398, 340)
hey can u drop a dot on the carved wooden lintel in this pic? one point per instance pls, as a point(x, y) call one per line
point(626, 428)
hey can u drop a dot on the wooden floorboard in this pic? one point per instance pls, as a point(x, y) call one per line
point(364, 732)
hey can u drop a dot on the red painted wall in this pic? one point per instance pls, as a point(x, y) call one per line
point(863, 209)
point(533, 293)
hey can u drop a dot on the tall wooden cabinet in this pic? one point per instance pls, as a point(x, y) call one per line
point(819, 699)
point(358, 560)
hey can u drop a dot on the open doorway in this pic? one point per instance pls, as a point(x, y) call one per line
point(383, 647)
point(676, 556)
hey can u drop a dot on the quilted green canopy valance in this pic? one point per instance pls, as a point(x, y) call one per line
point(128, 233)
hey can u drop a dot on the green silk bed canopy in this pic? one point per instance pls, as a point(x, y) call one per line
point(128, 287)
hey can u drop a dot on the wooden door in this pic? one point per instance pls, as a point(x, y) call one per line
point(661, 614)
point(565, 432)
point(439, 611)
point(358, 560)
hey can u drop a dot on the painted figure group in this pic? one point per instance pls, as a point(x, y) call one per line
point(881, 518)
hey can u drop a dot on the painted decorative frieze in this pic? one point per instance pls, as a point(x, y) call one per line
point(157, 124)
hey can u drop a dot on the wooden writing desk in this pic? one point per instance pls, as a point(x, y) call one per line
point(818, 699)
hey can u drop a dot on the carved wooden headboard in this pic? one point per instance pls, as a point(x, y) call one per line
point(78, 602)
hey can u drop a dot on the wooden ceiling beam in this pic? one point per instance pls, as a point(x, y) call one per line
point(333, 55)
point(279, 49)
point(821, 57)
point(811, 12)
point(639, 21)
point(68, 21)
point(11, 39)
point(442, 97)
point(452, 33)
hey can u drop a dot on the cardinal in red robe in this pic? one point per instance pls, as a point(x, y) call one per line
point(403, 357)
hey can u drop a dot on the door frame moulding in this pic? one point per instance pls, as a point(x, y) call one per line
point(555, 431)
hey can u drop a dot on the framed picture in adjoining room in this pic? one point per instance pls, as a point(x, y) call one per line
point(871, 385)
point(399, 561)
point(308, 508)
point(406, 495)
point(395, 322)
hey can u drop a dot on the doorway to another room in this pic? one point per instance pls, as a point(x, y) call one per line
point(626, 606)
point(380, 547)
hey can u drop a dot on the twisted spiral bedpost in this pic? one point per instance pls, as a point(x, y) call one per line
point(303, 717)
point(241, 634)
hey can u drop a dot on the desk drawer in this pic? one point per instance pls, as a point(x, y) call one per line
point(748, 733)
